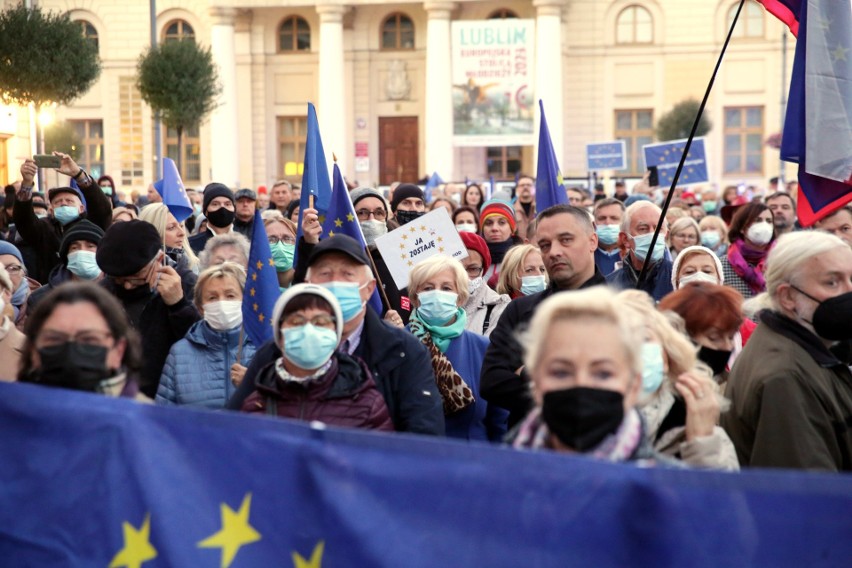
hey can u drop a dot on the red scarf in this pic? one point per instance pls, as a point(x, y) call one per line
point(748, 263)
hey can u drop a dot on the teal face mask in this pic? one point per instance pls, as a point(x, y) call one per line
point(66, 214)
point(82, 264)
point(309, 347)
point(652, 367)
point(643, 242)
point(533, 284)
point(607, 234)
point(348, 295)
point(437, 307)
point(710, 239)
point(106, 189)
point(282, 256)
point(709, 206)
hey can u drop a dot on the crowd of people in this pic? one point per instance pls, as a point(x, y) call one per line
point(725, 345)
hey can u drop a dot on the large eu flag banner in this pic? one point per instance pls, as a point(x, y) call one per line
point(666, 156)
point(91, 481)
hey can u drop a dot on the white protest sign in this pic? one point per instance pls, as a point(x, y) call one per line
point(431, 234)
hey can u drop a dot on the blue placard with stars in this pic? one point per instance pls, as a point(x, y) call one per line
point(606, 156)
point(666, 157)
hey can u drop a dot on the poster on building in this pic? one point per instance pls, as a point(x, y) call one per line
point(666, 156)
point(493, 98)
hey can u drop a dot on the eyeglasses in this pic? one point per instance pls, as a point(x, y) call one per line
point(286, 240)
point(14, 268)
point(297, 320)
point(378, 214)
point(685, 237)
point(134, 281)
point(473, 271)
point(52, 338)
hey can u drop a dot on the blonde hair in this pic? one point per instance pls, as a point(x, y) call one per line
point(224, 270)
point(158, 215)
point(122, 210)
point(433, 266)
point(597, 303)
point(509, 281)
point(291, 226)
point(713, 223)
point(271, 214)
point(785, 261)
point(5, 281)
point(682, 224)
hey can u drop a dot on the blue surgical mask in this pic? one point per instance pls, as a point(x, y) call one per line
point(197, 209)
point(106, 189)
point(41, 215)
point(710, 239)
point(533, 284)
point(82, 263)
point(282, 256)
point(66, 214)
point(437, 307)
point(348, 295)
point(653, 367)
point(643, 242)
point(307, 346)
point(607, 234)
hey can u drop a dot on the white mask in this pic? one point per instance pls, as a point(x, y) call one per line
point(697, 277)
point(760, 233)
point(473, 285)
point(466, 227)
point(223, 315)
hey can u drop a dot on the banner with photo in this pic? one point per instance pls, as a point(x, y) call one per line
point(493, 98)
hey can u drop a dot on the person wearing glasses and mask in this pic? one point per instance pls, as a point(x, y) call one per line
point(312, 379)
point(281, 233)
point(79, 338)
point(154, 295)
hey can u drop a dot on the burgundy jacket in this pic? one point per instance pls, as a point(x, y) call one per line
point(345, 396)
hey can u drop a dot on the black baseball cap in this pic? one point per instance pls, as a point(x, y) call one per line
point(343, 244)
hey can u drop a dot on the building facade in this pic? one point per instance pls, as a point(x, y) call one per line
point(380, 74)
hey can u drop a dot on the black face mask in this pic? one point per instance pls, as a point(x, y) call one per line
point(582, 417)
point(408, 216)
point(221, 217)
point(717, 360)
point(833, 316)
point(72, 365)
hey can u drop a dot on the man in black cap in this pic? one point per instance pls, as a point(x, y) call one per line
point(399, 363)
point(246, 206)
point(154, 295)
point(77, 260)
point(65, 208)
point(218, 207)
point(408, 203)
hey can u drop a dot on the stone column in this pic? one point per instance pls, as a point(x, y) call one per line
point(332, 88)
point(439, 91)
point(548, 71)
point(224, 136)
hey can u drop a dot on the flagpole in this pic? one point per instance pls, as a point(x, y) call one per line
point(646, 263)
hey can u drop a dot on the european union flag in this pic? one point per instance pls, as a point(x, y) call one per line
point(86, 480)
point(549, 190)
point(172, 191)
point(261, 290)
point(315, 180)
point(666, 156)
point(818, 126)
point(340, 219)
point(606, 156)
point(434, 181)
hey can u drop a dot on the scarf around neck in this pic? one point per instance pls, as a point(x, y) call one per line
point(440, 335)
point(748, 263)
point(499, 250)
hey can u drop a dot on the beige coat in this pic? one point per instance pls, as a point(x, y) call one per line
point(11, 344)
point(523, 220)
point(477, 305)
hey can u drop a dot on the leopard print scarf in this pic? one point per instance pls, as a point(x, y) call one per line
point(455, 393)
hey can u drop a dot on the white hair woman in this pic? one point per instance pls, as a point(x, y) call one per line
point(584, 356)
point(680, 403)
point(439, 288)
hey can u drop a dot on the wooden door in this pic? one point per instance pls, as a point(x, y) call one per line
point(398, 150)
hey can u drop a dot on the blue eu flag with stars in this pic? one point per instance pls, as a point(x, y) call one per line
point(549, 190)
point(172, 191)
point(261, 290)
point(315, 179)
point(340, 219)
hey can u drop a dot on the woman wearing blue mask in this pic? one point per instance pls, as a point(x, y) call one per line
point(679, 402)
point(282, 244)
point(312, 380)
point(522, 273)
point(439, 287)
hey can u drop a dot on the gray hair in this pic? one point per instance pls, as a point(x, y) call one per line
point(233, 239)
point(635, 208)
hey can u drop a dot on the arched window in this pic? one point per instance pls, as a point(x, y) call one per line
point(634, 25)
point(294, 34)
point(89, 31)
point(502, 14)
point(177, 30)
point(750, 22)
point(397, 32)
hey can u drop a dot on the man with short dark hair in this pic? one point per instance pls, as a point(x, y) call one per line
point(838, 224)
point(608, 215)
point(783, 208)
point(282, 194)
point(246, 201)
point(566, 237)
point(525, 203)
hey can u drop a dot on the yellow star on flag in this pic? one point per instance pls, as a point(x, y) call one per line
point(261, 317)
point(331, 233)
point(338, 222)
point(251, 290)
point(254, 277)
point(321, 219)
point(350, 217)
point(839, 53)
point(271, 262)
point(259, 265)
point(316, 557)
point(235, 533)
point(255, 307)
point(559, 179)
point(137, 546)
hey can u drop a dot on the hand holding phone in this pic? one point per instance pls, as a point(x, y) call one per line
point(47, 161)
